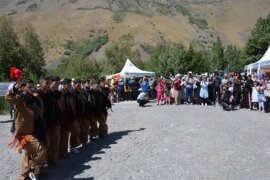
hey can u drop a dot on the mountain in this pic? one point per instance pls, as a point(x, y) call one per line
point(149, 21)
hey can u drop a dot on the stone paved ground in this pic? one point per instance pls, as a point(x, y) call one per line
point(165, 142)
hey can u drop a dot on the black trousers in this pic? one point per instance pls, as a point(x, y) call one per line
point(204, 101)
point(216, 93)
point(142, 102)
point(226, 106)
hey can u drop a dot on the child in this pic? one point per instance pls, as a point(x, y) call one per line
point(204, 91)
point(167, 91)
point(261, 99)
point(254, 96)
point(159, 88)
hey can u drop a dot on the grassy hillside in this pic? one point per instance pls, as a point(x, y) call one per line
point(149, 21)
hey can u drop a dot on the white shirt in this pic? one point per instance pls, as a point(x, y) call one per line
point(141, 96)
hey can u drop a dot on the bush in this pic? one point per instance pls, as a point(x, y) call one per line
point(3, 105)
point(180, 8)
point(163, 9)
point(201, 23)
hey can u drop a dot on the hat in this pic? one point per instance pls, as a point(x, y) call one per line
point(140, 89)
point(15, 73)
point(189, 72)
point(132, 78)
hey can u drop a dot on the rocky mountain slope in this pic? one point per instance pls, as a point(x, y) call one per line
point(149, 21)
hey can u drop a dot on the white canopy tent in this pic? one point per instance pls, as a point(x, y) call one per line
point(130, 70)
point(263, 63)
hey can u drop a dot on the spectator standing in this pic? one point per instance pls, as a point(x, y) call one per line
point(114, 86)
point(159, 88)
point(247, 91)
point(121, 85)
point(254, 96)
point(196, 90)
point(267, 97)
point(167, 92)
point(261, 99)
point(225, 81)
point(135, 85)
point(216, 84)
point(204, 91)
point(183, 90)
point(177, 89)
point(153, 89)
point(127, 90)
point(237, 89)
point(10, 106)
point(189, 87)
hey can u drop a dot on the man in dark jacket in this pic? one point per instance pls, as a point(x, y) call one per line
point(216, 85)
point(30, 132)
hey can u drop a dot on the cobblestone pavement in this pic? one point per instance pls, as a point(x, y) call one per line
point(164, 142)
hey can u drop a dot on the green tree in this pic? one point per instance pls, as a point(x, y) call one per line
point(217, 56)
point(11, 52)
point(232, 56)
point(197, 60)
point(171, 59)
point(81, 67)
point(154, 51)
point(35, 53)
point(117, 53)
point(258, 42)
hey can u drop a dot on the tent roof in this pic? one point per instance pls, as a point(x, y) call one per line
point(263, 62)
point(130, 70)
point(266, 56)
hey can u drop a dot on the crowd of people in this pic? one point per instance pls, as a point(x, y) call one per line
point(55, 118)
point(231, 91)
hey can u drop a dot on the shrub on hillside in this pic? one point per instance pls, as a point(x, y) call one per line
point(77, 64)
point(200, 23)
point(118, 17)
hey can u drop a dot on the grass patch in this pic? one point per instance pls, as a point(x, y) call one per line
point(77, 65)
point(200, 23)
point(118, 16)
point(148, 48)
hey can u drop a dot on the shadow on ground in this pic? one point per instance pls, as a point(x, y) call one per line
point(77, 164)
point(6, 121)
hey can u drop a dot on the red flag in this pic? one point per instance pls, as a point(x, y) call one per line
point(15, 73)
point(116, 76)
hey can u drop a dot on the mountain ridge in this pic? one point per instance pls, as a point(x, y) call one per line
point(149, 21)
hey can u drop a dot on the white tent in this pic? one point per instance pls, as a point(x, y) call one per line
point(130, 70)
point(263, 63)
